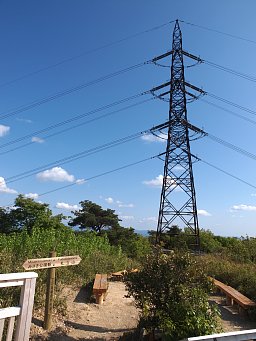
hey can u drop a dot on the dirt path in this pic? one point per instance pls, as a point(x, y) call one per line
point(230, 319)
point(91, 321)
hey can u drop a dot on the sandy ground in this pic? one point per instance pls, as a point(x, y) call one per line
point(117, 315)
point(89, 321)
point(230, 319)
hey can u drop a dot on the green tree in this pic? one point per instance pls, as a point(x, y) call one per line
point(93, 217)
point(172, 293)
point(27, 214)
point(132, 244)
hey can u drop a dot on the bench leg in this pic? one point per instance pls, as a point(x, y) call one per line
point(242, 311)
point(99, 298)
point(229, 300)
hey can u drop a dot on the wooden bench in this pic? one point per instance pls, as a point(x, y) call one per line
point(233, 296)
point(100, 287)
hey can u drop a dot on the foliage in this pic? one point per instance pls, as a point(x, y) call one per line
point(171, 291)
point(96, 253)
point(133, 245)
point(94, 217)
point(27, 214)
point(239, 275)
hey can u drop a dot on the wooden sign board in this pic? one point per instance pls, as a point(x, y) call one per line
point(54, 262)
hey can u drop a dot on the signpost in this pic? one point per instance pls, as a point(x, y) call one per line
point(50, 263)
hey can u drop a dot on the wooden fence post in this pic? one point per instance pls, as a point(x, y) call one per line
point(49, 295)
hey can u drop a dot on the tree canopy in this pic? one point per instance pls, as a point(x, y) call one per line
point(93, 217)
point(27, 214)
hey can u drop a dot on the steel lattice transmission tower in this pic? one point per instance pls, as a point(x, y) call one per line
point(178, 196)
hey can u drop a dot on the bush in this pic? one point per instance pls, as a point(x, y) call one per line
point(172, 293)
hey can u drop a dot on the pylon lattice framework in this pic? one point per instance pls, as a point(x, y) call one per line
point(178, 197)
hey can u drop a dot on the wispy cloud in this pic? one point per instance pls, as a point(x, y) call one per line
point(4, 188)
point(109, 200)
point(243, 207)
point(127, 217)
point(153, 138)
point(157, 182)
point(203, 213)
point(57, 174)
point(24, 120)
point(126, 205)
point(152, 219)
point(31, 195)
point(37, 139)
point(4, 130)
point(67, 207)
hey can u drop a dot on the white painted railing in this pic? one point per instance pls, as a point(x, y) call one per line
point(22, 313)
point(242, 335)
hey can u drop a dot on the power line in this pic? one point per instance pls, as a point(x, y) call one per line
point(47, 129)
point(66, 60)
point(229, 111)
point(234, 72)
point(253, 112)
point(220, 32)
point(76, 156)
point(68, 91)
point(227, 173)
point(101, 174)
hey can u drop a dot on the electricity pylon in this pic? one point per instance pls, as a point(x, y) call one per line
point(178, 196)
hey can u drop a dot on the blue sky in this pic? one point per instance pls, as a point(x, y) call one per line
point(36, 35)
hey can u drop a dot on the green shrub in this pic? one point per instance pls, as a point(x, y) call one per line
point(172, 293)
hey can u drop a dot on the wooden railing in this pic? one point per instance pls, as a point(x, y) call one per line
point(22, 313)
point(242, 335)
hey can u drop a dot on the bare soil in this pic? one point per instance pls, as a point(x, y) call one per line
point(90, 321)
point(230, 319)
point(117, 315)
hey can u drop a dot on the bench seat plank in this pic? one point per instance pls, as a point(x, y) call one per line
point(239, 298)
point(100, 287)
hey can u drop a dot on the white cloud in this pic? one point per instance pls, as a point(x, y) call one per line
point(4, 130)
point(157, 182)
point(152, 138)
point(126, 205)
point(56, 174)
point(109, 200)
point(4, 188)
point(243, 207)
point(204, 213)
point(37, 139)
point(154, 219)
point(253, 194)
point(127, 217)
point(80, 181)
point(24, 120)
point(31, 195)
point(67, 207)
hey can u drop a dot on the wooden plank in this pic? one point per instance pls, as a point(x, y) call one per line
point(51, 262)
point(1, 328)
point(17, 276)
point(14, 283)
point(230, 336)
point(9, 312)
point(100, 283)
point(241, 299)
point(10, 329)
point(26, 303)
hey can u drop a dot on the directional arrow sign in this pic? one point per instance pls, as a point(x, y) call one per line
point(55, 262)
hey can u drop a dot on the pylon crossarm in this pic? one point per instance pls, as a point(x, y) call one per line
point(192, 56)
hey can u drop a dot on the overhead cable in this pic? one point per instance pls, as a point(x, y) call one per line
point(59, 94)
point(59, 124)
point(102, 174)
point(66, 60)
point(220, 32)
